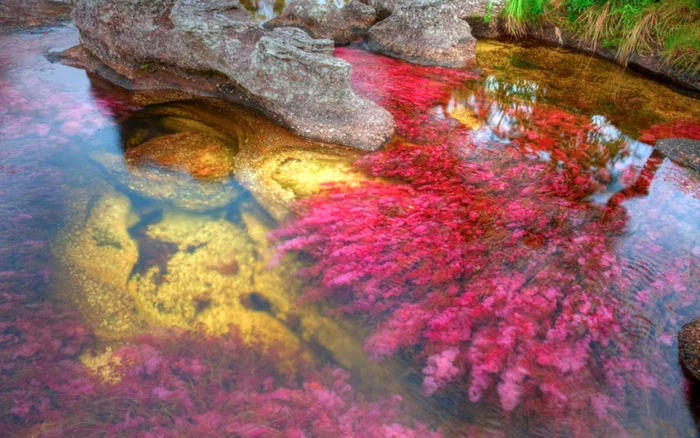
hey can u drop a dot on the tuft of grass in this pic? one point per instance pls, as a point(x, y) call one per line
point(519, 13)
point(670, 28)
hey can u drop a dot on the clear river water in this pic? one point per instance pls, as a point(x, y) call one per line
point(517, 261)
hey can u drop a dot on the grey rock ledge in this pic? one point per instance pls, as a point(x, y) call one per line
point(213, 48)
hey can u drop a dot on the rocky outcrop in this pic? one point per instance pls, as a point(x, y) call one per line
point(681, 150)
point(327, 20)
point(33, 12)
point(689, 347)
point(213, 48)
point(384, 8)
point(478, 8)
point(465, 8)
point(426, 32)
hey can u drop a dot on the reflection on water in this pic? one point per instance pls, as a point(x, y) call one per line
point(515, 262)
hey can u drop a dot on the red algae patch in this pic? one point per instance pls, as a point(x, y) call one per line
point(489, 267)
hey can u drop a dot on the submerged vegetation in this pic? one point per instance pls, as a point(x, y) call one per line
point(669, 28)
point(518, 243)
point(508, 260)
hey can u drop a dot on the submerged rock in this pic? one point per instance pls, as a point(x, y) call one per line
point(689, 347)
point(220, 275)
point(681, 150)
point(327, 20)
point(94, 256)
point(279, 176)
point(426, 32)
point(276, 166)
point(214, 48)
point(171, 186)
point(201, 155)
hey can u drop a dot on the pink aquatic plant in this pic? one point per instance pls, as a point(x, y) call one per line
point(484, 262)
point(165, 385)
point(408, 91)
point(174, 385)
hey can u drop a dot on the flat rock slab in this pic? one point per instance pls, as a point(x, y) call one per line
point(214, 48)
point(425, 32)
point(681, 150)
point(689, 347)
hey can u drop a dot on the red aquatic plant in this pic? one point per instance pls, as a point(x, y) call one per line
point(171, 384)
point(186, 385)
point(486, 263)
point(497, 284)
point(410, 92)
point(674, 129)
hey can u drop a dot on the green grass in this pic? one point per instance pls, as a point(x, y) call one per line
point(669, 28)
point(519, 13)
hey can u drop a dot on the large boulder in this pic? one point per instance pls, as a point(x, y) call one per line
point(426, 32)
point(327, 20)
point(384, 8)
point(214, 48)
point(478, 8)
point(689, 347)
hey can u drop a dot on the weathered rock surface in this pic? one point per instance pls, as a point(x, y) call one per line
point(478, 8)
point(213, 48)
point(384, 8)
point(327, 20)
point(681, 150)
point(689, 347)
point(33, 12)
point(464, 8)
point(426, 32)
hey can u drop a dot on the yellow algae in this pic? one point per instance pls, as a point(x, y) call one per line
point(191, 290)
point(94, 256)
point(465, 116)
point(202, 156)
point(277, 178)
point(103, 364)
point(580, 82)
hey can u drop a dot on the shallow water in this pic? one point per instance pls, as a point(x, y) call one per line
point(517, 261)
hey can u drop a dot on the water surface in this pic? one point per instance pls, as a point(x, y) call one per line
point(516, 262)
